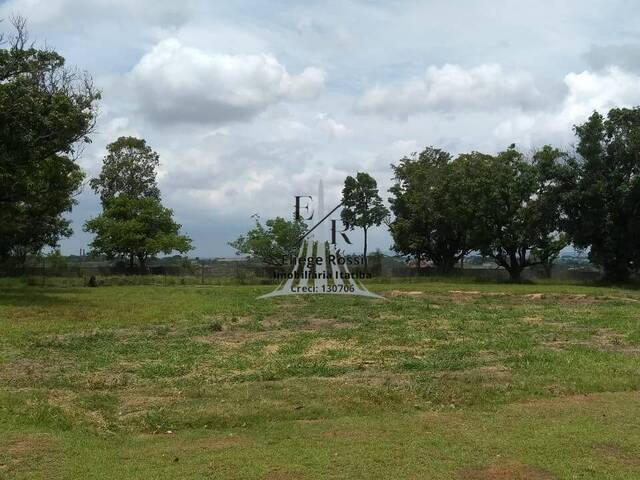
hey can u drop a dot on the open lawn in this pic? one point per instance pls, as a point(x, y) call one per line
point(442, 380)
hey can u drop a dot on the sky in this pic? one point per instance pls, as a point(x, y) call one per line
point(250, 103)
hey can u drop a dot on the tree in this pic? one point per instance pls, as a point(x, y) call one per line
point(272, 243)
point(362, 206)
point(602, 194)
point(548, 250)
point(509, 197)
point(47, 112)
point(430, 222)
point(133, 224)
point(551, 167)
point(135, 228)
point(128, 169)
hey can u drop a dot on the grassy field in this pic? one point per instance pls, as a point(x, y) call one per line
point(442, 380)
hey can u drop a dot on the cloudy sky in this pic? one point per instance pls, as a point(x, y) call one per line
point(249, 103)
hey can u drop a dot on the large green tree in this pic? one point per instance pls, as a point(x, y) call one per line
point(133, 224)
point(509, 196)
point(362, 206)
point(47, 112)
point(430, 222)
point(272, 243)
point(128, 169)
point(551, 170)
point(136, 228)
point(602, 199)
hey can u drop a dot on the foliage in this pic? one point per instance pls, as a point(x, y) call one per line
point(273, 242)
point(361, 205)
point(429, 219)
point(136, 228)
point(46, 112)
point(128, 169)
point(514, 205)
point(133, 224)
point(602, 199)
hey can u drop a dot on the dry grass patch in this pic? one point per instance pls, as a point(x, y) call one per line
point(404, 293)
point(508, 471)
point(484, 375)
point(617, 453)
point(315, 324)
point(604, 339)
point(323, 345)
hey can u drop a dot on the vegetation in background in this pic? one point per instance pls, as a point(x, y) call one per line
point(136, 228)
point(272, 243)
point(128, 169)
point(47, 111)
point(133, 225)
point(509, 199)
point(362, 206)
point(430, 221)
point(602, 201)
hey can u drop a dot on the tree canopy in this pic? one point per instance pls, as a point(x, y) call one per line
point(272, 242)
point(430, 223)
point(46, 112)
point(133, 223)
point(136, 228)
point(128, 169)
point(509, 197)
point(602, 193)
point(361, 205)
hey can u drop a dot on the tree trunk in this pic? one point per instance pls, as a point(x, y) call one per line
point(366, 261)
point(143, 264)
point(131, 257)
point(445, 266)
point(514, 272)
point(547, 269)
point(616, 273)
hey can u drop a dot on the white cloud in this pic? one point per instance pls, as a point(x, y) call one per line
point(176, 83)
point(67, 13)
point(587, 91)
point(332, 127)
point(452, 88)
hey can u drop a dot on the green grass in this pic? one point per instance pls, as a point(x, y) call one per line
point(441, 380)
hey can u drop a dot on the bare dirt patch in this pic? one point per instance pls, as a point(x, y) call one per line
point(510, 471)
point(314, 324)
point(534, 296)
point(486, 375)
point(578, 299)
point(27, 444)
point(375, 378)
point(25, 449)
point(232, 337)
point(404, 293)
point(321, 346)
point(271, 349)
point(478, 293)
point(604, 339)
point(617, 453)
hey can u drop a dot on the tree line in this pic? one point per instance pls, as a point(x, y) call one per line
point(519, 209)
point(522, 210)
point(47, 114)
